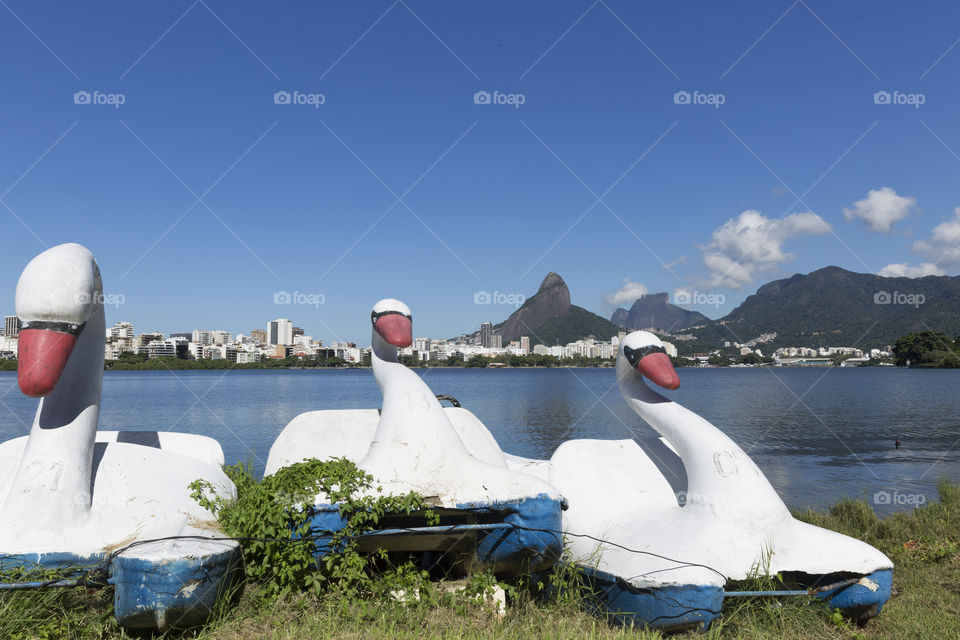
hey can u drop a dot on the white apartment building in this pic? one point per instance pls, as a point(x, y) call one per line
point(303, 345)
point(162, 349)
point(350, 354)
point(280, 331)
point(247, 357)
point(120, 330)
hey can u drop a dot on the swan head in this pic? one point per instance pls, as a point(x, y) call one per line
point(57, 293)
point(643, 353)
point(393, 322)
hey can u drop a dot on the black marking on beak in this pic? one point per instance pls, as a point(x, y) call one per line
point(634, 356)
point(376, 315)
point(61, 327)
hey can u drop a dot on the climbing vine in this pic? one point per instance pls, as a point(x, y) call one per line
point(276, 519)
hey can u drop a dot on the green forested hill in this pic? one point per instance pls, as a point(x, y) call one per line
point(577, 323)
point(834, 307)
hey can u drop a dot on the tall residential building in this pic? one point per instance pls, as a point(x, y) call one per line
point(220, 337)
point(486, 330)
point(259, 336)
point(280, 331)
point(202, 336)
point(163, 349)
point(297, 331)
point(145, 339)
point(525, 344)
point(121, 330)
point(302, 346)
point(11, 326)
point(422, 344)
point(490, 339)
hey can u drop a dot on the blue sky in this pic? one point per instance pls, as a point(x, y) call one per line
point(202, 197)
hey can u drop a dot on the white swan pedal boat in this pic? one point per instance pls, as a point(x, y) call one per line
point(72, 498)
point(654, 561)
point(491, 517)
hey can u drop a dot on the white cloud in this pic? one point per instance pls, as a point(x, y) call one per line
point(752, 244)
point(943, 246)
point(880, 209)
point(904, 270)
point(627, 294)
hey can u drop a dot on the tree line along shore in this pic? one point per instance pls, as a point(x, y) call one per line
point(922, 349)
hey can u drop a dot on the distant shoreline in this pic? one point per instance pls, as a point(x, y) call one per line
point(365, 368)
point(4, 366)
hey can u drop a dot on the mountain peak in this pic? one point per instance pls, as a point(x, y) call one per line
point(553, 279)
point(654, 310)
point(549, 318)
point(662, 298)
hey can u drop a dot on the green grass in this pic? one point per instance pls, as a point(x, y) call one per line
point(924, 544)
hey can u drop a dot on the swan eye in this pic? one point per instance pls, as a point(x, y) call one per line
point(634, 356)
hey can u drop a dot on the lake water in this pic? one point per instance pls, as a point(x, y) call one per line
point(818, 434)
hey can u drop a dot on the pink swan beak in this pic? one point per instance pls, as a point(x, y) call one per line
point(396, 328)
point(657, 368)
point(42, 356)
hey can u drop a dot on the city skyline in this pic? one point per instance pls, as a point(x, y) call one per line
point(281, 341)
point(221, 345)
point(230, 158)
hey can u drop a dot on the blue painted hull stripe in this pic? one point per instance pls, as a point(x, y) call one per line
point(689, 606)
point(526, 539)
point(174, 592)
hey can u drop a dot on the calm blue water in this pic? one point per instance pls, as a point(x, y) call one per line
point(818, 434)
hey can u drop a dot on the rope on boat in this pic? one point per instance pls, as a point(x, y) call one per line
point(98, 576)
point(41, 584)
point(95, 577)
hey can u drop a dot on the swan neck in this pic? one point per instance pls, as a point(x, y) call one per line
point(414, 436)
point(57, 461)
point(719, 473)
point(383, 350)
